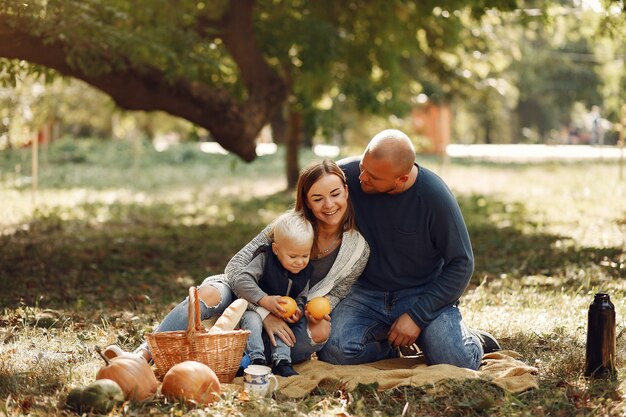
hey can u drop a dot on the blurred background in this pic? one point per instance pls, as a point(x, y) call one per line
point(327, 75)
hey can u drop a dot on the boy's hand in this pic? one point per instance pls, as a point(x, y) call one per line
point(272, 304)
point(295, 317)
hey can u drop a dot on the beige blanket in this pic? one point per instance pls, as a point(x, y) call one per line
point(501, 368)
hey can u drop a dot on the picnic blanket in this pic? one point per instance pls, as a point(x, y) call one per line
point(503, 369)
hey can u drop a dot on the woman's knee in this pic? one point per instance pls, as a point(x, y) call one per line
point(319, 332)
point(209, 295)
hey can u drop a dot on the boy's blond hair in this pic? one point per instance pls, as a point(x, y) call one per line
point(293, 226)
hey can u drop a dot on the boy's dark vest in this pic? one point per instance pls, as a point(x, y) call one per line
point(276, 278)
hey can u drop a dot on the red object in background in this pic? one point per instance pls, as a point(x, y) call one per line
point(41, 138)
point(434, 121)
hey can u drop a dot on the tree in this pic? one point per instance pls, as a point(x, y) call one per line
point(229, 66)
point(156, 55)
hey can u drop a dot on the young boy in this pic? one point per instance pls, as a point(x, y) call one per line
point(279, 269)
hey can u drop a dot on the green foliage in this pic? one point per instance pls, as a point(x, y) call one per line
point(376, 55)
point(112, 36)
point(508, 65)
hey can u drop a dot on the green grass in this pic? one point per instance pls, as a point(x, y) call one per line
point(116, 234)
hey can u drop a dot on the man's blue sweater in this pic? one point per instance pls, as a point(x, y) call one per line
point(417, 239)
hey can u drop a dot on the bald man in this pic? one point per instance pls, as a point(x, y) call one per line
point(420, 263)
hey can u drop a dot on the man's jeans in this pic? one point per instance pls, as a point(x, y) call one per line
point(362, 320)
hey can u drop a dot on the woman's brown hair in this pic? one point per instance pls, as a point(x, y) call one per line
point(309, 176)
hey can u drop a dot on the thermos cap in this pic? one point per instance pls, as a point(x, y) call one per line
point(602, 301)
point(602, 296)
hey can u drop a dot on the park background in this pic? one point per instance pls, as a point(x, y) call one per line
point(143, 143)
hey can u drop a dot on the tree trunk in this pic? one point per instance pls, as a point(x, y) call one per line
point(487, 131)
point(291, 149)
point(279, 127)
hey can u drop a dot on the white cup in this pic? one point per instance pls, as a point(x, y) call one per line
point(258, 380)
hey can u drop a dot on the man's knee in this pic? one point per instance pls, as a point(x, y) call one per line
point(337, 352)
point(332, 353)
point(444, 342)
point(464, 357)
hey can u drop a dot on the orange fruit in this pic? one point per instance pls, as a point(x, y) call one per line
point(288, 304)
point(318, 307)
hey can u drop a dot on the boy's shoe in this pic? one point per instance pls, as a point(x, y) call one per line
point(283, 368)
point(258, 361)
point(490, 344)
point(245, 362)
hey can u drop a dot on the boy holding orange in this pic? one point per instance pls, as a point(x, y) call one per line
point(278, 274)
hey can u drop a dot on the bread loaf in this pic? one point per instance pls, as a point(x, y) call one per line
point(231, 316)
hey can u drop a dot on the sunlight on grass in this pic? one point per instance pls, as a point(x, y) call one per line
point(193, 205)
point(114, 243)
point(584, 201)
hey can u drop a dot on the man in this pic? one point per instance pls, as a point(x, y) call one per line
point(420, 263)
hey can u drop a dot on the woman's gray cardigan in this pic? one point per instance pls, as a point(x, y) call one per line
point(348, 266)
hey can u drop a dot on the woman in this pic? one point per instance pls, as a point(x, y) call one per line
point(339, 256)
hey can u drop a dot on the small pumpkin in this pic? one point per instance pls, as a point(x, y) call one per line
point(99, 397)
point(131, 372)
point(318, 307)
point(289, 304)
point(191, 381)
point(74, 400)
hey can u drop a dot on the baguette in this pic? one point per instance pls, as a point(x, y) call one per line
point(230, 318)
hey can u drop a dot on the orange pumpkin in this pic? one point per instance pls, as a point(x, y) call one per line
point(191, 381)
point(289, 304)
point(318, 307)
point(131, 372)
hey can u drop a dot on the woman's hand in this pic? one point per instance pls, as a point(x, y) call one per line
point(275, 326)
point(313, 320)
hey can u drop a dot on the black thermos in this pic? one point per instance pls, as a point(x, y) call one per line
point(600, 359)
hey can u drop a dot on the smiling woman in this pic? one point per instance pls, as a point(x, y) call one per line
point(341, 255)
point(327, 201)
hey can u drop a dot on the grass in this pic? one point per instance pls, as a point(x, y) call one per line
point(116, 234)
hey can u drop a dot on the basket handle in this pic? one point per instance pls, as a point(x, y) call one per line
point(193, 312)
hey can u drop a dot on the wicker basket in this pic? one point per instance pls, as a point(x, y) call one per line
point(222, 352)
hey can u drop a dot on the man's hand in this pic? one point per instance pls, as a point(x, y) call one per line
point(403, 332)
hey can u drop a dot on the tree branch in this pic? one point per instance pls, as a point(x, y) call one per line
point(233, 124)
